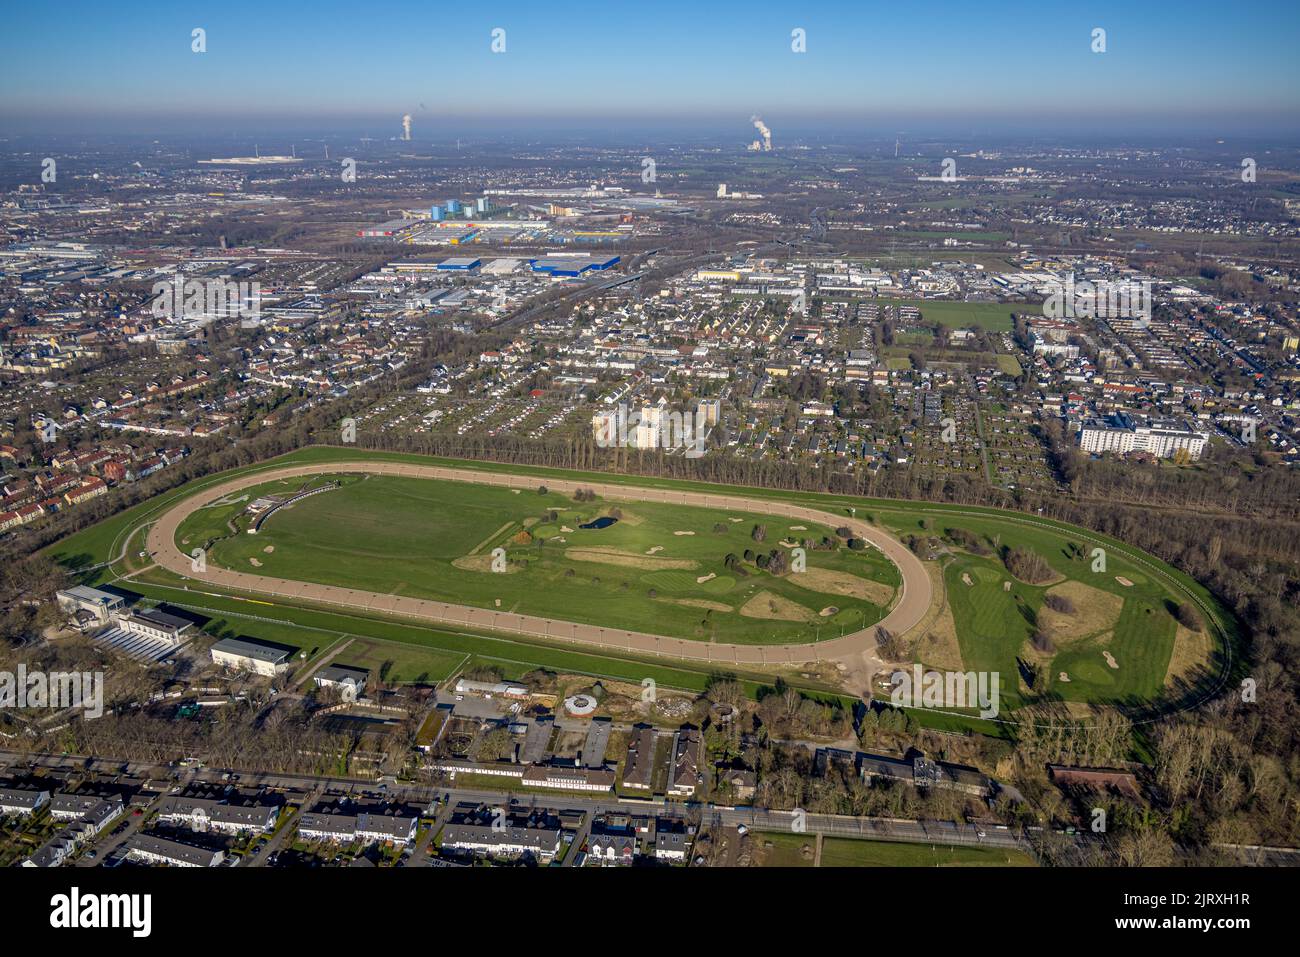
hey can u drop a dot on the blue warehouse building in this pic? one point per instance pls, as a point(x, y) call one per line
point(572, 266)
point(461, 263)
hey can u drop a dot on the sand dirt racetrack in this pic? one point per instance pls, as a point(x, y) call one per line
point(909, 607)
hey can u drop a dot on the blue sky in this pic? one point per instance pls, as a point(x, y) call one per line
point(896, 64)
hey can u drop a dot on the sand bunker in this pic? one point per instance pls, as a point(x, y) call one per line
point(842, 583)
point(730, 519)
point(566, 529)
point(788, 543)
point(828, 611)
point(775, 608)
point(1064, 676)
point(497, 602)
point(607, 555)
point(697, 603)
point(798, 528)
point(706, 578)
point(483, 563)
point(1123, 581)
point(269, 549)
point(255, 563)
point(1006, 586)
point(657, 548)
point(965, 577)
point(1094, 611)
point(683, 533)
point(1110, 659)
point(517, 491)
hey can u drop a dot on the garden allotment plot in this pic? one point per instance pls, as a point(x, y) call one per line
point(680, 571)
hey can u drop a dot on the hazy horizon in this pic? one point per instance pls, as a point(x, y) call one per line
point(1001, 68)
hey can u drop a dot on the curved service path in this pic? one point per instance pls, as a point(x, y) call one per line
point(910, 605)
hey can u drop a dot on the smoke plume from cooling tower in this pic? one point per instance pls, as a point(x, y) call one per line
point(406, 126)
point(764, 132)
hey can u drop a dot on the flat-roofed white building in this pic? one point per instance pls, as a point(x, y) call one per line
point(93, 606)
point(1122, 435)
point(240, 654)
point(152, 623)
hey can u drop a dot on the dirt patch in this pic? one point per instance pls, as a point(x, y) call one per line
point(774, 607)
point(1191, 654)
point(842, 583)
point(483, 563)
point(1123, 581)
point(1094, 611)
point(697, 603)
point(935, 637)
point(607, 555)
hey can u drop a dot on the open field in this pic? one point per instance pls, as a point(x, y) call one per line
point(797, 850)
point(1154, 583)
point(657, 567)
point(993, 316)
point(996, 615)
point(848, 852)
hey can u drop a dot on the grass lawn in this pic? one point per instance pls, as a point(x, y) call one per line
point(848, 852)
point(1139, 642)
point(787, 850)
point(658, 568)
point(995, 623)
point(994, 316)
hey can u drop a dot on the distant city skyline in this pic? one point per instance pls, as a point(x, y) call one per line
point(996, 67)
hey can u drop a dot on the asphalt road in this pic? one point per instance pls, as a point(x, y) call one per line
point(757, 819)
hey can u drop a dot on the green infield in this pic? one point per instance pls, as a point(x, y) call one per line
point(680, 571)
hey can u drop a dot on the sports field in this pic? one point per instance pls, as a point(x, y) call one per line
point(656, 568)
point(993, 316)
